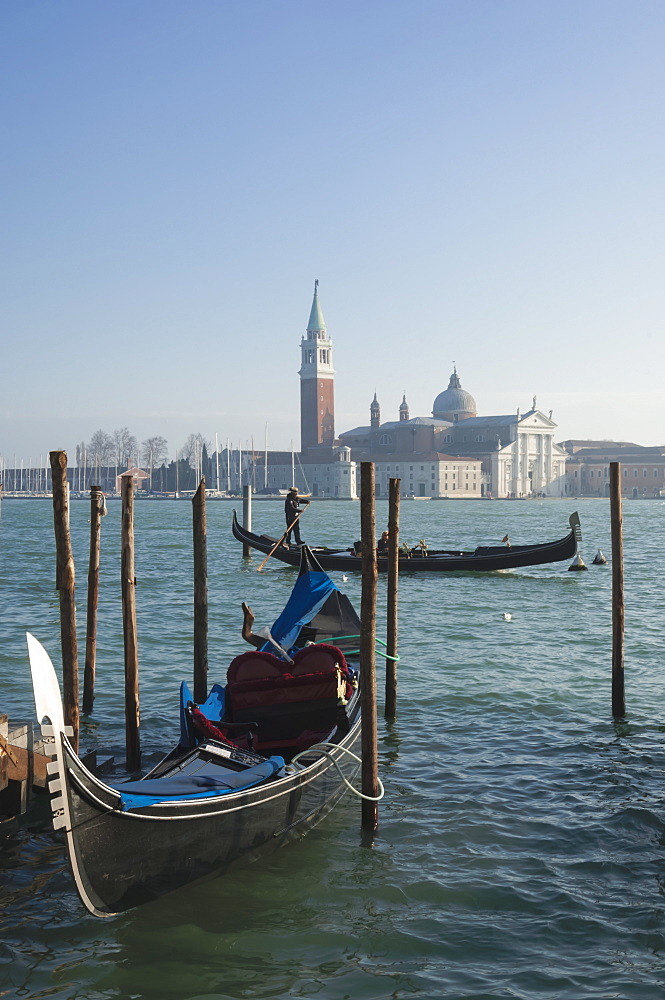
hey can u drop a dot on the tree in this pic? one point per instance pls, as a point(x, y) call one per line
point(194, 450)
point(100, 451)
point(125, 447)
point(154, 452)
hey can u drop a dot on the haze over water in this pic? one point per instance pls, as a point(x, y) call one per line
point(521, 844)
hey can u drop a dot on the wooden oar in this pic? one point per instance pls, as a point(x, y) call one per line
point(275, 547)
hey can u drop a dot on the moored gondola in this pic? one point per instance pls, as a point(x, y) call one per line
point(483, 559)
point(263, 760)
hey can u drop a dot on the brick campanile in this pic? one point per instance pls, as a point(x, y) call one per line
point(317, 382)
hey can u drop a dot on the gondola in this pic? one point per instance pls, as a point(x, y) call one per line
point(484, 559)
point(263, 760)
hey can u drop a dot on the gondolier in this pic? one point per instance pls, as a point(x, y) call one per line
point(292, 511)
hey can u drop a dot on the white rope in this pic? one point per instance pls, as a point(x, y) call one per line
point(321, 747)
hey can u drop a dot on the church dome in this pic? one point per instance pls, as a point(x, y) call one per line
point(454, 403)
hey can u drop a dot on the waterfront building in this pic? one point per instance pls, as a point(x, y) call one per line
point(588, 468)
point(513, 455)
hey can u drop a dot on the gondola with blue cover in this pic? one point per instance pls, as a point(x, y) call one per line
point(258, 764)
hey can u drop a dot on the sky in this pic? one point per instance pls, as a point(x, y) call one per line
point(473, 183)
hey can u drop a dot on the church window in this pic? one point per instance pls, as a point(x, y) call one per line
point(636, 473)
point(625, 472)
point(655, 473)
point(433, 475)
point(386, 439)
point(645, 473)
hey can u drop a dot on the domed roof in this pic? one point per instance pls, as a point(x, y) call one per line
point(454, 400)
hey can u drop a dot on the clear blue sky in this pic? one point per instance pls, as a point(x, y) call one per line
point(471, 182)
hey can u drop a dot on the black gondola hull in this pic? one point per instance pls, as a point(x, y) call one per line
point(485, 559)
point(122, 859)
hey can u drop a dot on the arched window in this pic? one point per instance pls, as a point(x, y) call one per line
point(386, 439)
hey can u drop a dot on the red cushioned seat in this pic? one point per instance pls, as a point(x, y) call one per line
point(285, 699)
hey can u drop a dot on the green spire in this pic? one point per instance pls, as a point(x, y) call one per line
point(316, 320)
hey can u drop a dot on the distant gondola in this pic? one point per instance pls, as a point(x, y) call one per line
point(256, 765)
point(484, 559)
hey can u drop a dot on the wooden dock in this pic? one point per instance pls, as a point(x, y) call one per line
point(22, 767)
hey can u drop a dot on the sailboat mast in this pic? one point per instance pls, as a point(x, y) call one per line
point(265, 463)
point(217, 458)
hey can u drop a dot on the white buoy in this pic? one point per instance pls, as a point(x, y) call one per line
point(599, 559)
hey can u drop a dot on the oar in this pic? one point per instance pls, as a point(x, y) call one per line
point(275, 547)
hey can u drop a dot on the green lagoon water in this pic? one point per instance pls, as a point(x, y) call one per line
point(521, 848)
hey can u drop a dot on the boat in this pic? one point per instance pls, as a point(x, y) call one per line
point(483, 559)
point(264, 759)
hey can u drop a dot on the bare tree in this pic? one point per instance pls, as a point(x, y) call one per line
point(125, 447)
point(155, 452)
point(100, 451)
point(193, 447)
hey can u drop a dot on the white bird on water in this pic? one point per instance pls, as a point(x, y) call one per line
point(344, 578)
point(507, 617)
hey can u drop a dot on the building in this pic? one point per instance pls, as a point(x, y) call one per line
point(317, 386)
point(588, 468)
point(507, 456)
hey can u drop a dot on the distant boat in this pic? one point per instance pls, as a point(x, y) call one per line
point(483, 559)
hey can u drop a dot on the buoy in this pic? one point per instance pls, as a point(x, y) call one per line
point(599, 559)
point(577, 564)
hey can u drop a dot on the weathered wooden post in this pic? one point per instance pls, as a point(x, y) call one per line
point(393, 579)
point(616, 519)
point(200, 594)
point(247, 516)
point(370, 766)
point(97, 511)
point(128, 589)
point(65, 585)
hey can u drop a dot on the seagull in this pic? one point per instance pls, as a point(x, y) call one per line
point(507, 617)
point(344, 578)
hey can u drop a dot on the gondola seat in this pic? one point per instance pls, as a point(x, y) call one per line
point(287, 700)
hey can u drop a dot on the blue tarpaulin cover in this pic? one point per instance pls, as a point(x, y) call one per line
point(217, 781)
point(307, 598)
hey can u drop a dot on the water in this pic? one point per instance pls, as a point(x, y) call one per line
point(521, 844)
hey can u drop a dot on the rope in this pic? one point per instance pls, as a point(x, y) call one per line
point(321, 747)
point(350, 652)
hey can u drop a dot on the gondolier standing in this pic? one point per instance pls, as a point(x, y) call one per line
point(292, 510)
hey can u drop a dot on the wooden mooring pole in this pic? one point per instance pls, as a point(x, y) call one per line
point(247, 517)
point(618, 620)
point(370, 765)
point(200, 594)
point(97, 511)
point(128, 590)
point(65, 585)
point(391, 600)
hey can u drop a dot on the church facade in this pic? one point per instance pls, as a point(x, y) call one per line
point(513, 455)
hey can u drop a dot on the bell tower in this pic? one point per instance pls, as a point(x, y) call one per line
point(317, 382)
